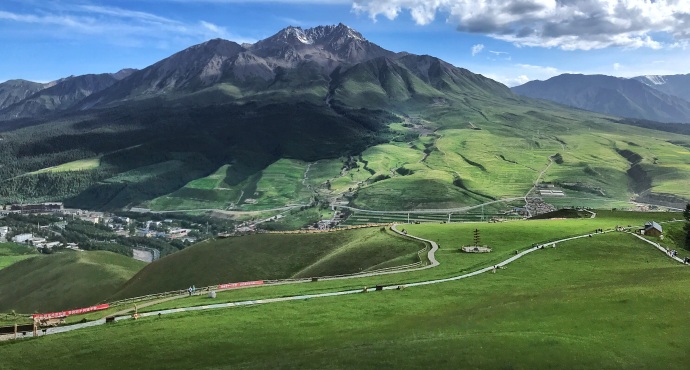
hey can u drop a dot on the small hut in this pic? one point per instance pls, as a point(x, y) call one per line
point(652, 228)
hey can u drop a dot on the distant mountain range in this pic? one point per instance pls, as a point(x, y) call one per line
point(656, 98)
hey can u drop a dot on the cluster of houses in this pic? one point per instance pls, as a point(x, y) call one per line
point(40, 242)
point(152, 229)
point(120, 225)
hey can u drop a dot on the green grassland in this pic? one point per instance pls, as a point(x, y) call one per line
point(610, 301)
point(12, 252)
point(64, 280)
point(495, 163)
point(505, 238)
point(278, 185)
point(78, 165)
point(271, 256)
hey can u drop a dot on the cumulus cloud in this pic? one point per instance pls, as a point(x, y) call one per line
point(566, 24)
point(616, 66)
point(476, 49)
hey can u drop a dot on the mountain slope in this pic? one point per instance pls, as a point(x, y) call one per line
point(291, 59)
point(676, 85)
point(609, 95)
point(64, 280)
point(384, 81)
point(13, 91)
point(62, 95)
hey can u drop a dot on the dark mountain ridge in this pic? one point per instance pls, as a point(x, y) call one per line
point(13, 91)
point(59, 95)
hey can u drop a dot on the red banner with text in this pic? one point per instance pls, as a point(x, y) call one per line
point(240, 285)
point(77, 311)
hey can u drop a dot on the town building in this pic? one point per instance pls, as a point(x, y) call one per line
point(652, 228)
point(22, 238)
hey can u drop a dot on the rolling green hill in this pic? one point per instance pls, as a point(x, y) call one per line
point(272, 256)
point(589, 303)
point(11, 253)
point(64, 280)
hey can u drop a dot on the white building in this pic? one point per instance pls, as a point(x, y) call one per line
point(51, 245)
point(22, 238)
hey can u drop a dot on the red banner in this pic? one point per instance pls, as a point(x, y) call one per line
point(77, 311)
point(240, 285)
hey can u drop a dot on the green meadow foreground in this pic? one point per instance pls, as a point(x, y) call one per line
point(610, 301)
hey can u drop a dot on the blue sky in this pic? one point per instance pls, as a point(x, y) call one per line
point(512, 41)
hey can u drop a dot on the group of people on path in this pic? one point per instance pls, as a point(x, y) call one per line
point(191, 290)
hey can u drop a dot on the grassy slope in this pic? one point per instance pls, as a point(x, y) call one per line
point(79, 165)
point(11, 253)
point(278, 185)
point(64, 280)
point(504, 158)
point(504, 238)
point(606, 302)
point(269, 256)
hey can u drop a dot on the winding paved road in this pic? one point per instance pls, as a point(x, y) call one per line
point(425, 211)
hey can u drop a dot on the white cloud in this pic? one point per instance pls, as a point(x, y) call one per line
point(117, 26)
point(519, 74)
point(569, 25)
point(522, 79)
point(539, 69)
point(214, 30)
point(476, 49)
point(509, 81)
point(616, 66)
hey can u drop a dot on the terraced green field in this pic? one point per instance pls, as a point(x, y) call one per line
point(506, 156)
point(278, 185)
